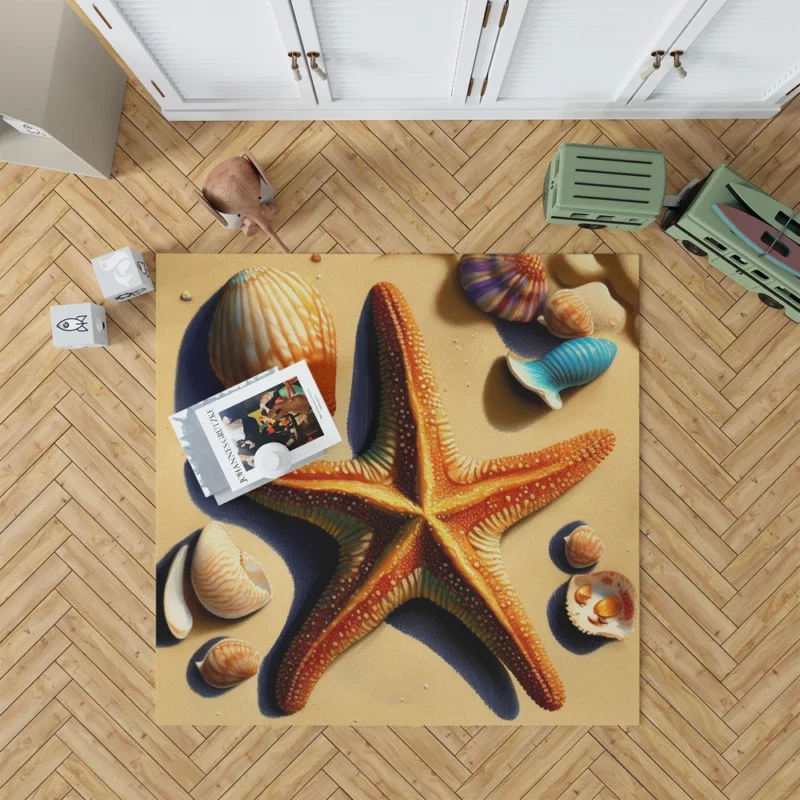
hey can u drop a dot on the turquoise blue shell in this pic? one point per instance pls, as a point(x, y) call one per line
point(573, 363)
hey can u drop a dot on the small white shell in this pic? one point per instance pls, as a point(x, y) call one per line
point(602, 604)
point(227, 581)
point(176, 611)
point(229, 662)
point(583, 547)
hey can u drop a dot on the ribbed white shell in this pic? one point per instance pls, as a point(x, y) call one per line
point(269, 317)
point(227, 581)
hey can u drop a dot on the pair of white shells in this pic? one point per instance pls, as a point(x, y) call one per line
point(602, 603)
point(230, 584)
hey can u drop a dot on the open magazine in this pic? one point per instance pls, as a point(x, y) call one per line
point(256, 431)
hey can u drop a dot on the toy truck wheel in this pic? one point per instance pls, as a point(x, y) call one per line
point(769, 301)
point(592, 226)
point(693, 248)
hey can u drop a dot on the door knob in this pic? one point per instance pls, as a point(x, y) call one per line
point(295, 66)
point(312, 57)
point(676, 60)
point(657, 56)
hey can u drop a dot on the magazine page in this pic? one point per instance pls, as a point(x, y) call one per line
point(283, 407)
point(196, 446)
point(226, 495)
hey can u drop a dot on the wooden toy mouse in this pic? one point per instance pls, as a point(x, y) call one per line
point(233, 190)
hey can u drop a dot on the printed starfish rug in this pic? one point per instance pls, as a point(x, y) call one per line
point(469, 554)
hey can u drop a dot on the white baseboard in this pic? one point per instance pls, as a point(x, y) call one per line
point(649, 111)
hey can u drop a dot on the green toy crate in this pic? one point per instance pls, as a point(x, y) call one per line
point(702, 232)
point(599, 187)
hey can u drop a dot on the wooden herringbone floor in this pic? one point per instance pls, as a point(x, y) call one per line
point(720, 471)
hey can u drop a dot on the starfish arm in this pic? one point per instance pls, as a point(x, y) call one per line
point(328, 490)
point(358, 598)
point(495, 494)
point(353, 470)
point(486, 602)
point(411, 405)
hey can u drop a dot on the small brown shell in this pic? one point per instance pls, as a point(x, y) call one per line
point(583, 547)
point(229, 662)
point(567, 315)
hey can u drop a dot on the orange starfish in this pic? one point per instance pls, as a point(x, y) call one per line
point(415, 517)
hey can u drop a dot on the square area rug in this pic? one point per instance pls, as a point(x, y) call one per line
point(419, 573)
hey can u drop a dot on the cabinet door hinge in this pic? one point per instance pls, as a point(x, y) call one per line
point(485, 83)
point(469, 88)
point(503, 16)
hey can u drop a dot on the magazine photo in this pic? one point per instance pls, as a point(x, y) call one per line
point(280, 414)
point(282, 407)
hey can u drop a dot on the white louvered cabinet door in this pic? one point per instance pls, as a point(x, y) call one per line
point(384, 54)
point(744, 51)
point(208, 54)
point(553, 54)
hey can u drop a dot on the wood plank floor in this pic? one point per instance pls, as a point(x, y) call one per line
point(720, 403)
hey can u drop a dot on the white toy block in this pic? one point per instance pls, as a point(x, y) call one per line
point(122, 275)
point(78, 326)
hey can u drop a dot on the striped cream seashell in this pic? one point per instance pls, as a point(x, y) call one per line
point(583, 547)
point(227, 581)
point(269, 317)
point(567, 315)
point(229, 662)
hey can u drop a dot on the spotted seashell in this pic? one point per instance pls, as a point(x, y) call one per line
point(567, 315)
point(269, 317)
point(573, 363)
point(229, 662)
point(227, 581)
point(583, 547)
point(602, 604)
point(512, 287)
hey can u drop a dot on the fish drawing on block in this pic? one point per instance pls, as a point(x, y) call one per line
point(77, 324)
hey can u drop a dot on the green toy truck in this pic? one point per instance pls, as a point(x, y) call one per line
point(702, 232)
point(598, 187)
